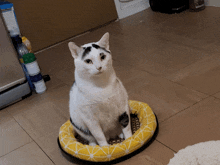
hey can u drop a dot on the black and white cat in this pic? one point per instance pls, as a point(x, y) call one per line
point(98, 103)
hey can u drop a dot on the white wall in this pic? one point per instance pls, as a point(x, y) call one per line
point(212, 3)
point(129, 7)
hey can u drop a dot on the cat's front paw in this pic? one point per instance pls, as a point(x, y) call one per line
point(92, 144)
point(104, 144)
point(129, 134)
point(121, 136)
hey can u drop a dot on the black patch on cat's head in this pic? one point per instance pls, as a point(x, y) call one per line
point(124, 119)
point(86, 51)
point(96, 46)
point(106, 50)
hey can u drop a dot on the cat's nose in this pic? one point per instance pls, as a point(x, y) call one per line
point(99, 68)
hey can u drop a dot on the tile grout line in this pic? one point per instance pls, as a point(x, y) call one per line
point(138, 69)
point(208, 95)
point(215, 94)
point(29, 142)
point(166, 146)
point(216, 97)
point(176, 71)
point(184, 109)
point(186, 86)
point(15, 149)
point(44, 152)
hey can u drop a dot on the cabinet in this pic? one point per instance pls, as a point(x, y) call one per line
point(13, 83)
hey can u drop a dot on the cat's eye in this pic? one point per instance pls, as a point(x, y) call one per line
point(88, 61)
point(102, 56)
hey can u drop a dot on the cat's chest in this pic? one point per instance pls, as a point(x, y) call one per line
point(112, 94)
point(109, 106)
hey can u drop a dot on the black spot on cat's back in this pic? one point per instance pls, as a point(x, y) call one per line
point(124, 119)
point(86, 51)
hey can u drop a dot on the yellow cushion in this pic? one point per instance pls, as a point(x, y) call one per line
point(96, 153)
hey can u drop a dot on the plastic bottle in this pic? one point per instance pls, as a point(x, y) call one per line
point(22, 50)
point(27, 43)
point(34, 71)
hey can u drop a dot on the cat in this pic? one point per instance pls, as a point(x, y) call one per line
point(98, 103)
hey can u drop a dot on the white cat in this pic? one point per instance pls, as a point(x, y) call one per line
point(98, 103)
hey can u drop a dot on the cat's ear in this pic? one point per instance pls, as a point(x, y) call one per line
point(104, 41)
point(74, 49)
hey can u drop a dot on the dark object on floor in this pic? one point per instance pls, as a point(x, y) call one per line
point(169, 6)
point(46, 78)
point(196, 5)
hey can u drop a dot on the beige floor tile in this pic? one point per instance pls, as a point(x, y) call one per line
point(66, 76)
point(210, 14)
point(217, 95)
point(204, 65)
point(163, 96)
point(160, 59)
point(197, 41)
point(184, 24)
point(210, 21)
point(190, 23)
point(59, 96)
point(198, 123)
point(206, 81)
point(12, 136)
point(194, 29)
point(29, 154)
point(49, 145)
point(155, 154)
point(54, 82)
point(22, 106)
point(175, 55)
point(39, 119)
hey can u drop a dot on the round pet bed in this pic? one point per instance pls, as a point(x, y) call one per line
point(147, 125)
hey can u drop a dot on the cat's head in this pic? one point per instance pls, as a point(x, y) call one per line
point(93, 58)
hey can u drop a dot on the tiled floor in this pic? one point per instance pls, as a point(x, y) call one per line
point(171, 62)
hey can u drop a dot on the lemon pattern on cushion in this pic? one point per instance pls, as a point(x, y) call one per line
point(96, 153)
